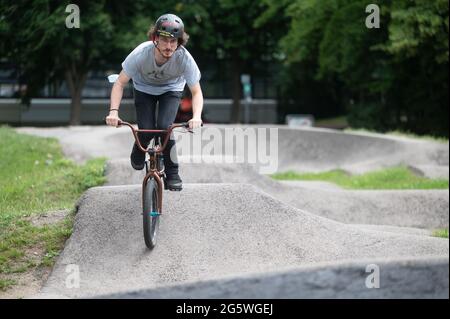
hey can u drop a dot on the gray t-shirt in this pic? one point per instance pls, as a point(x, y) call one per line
point(148, 77)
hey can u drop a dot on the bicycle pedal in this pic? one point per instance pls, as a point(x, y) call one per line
point(173, 189)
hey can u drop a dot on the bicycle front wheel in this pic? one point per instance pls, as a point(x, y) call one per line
point(151, 213)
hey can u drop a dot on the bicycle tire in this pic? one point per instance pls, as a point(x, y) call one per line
point(150, 213)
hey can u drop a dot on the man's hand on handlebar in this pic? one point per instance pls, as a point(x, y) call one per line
point(195, 123)
point(113, 118)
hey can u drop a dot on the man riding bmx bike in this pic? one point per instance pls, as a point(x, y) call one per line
point(160, 68)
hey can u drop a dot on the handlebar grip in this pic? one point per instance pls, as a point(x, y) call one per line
point(186, 125)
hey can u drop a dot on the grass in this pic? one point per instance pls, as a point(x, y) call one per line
point(6, 283)
point(399, 177)
point(441, 233)
point(36, 178)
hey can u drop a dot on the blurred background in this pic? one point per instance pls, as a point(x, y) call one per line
point(264, 62)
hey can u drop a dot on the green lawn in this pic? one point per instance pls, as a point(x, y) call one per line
point(35, 178)
point(442, 233)
point(391, 178)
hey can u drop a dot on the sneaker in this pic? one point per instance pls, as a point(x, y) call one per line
point(137, 158)
point(173, 182)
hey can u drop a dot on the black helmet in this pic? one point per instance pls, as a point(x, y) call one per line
point(169, 25)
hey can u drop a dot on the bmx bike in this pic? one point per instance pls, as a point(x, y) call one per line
point(152, 185)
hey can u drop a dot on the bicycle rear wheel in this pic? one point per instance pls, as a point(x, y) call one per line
point(151, 213)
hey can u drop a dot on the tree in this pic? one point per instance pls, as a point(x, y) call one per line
point(37, 40)
point(419, 55)
point(45, 50)
point(394, 77)
point(231, 30)
point(302, 25)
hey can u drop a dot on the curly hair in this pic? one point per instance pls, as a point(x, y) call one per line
point(152, 36)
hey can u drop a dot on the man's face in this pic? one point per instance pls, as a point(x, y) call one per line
point(167, 45)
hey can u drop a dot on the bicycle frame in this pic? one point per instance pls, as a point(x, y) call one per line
point(154, 153)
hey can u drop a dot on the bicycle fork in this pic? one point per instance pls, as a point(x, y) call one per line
point(152, 172)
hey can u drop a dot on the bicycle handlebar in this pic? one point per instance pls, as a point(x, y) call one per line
point(168, 131)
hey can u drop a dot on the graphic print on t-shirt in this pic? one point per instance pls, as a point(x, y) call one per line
point(156, 75)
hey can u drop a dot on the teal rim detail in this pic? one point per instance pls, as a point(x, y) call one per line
point(154, 214)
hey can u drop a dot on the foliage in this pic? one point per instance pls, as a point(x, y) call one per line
point(390, 178)
point(392, 77)
point(322, 55)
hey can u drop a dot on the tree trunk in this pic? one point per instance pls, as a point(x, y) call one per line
point(75, 107)
point(75, 81)
point(236, 88)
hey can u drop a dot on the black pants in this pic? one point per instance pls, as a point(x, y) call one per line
point(148, 118)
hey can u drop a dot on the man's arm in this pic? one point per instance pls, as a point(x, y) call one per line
point(117, 90)
point(116, 97)
point(197, 106)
